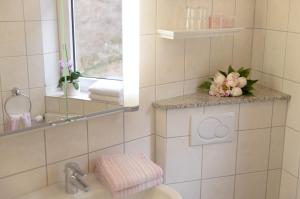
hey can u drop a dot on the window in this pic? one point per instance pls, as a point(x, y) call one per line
point(97, 38)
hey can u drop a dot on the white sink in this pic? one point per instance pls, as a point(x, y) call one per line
point(97, 191)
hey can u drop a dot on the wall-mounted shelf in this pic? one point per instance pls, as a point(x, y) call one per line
point(190, 34)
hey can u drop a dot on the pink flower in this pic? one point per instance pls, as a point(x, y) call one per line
point(236, 92)
point(242, 82)
point(232, 79)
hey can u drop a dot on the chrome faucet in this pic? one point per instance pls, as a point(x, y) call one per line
point(74, 179)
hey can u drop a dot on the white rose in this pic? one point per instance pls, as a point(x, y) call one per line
point(213, 89)
point(232, 79)
point(242, 82)
point(236, 92)
point(219, 79)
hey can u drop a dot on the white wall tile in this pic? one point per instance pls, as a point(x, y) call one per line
point(258, 48)
point(191, 86)
point(181, 155)
point(12, 39)
point(161, 122)
point(37, 97)
point(272, 82)
point(220, 188)
point(294, 18)
point(221, 54)
point(293, 89)
point(221, 7)
point(23, 183)
point(170, 14)
point(32, 10)
point(166, 91)
point(102, 134)
point(190, 190)
point(36, 71)
point(279, 112)
point(245, 10)
point(291, 151)
point(219, 159)
point(273, 186)
point(197, 58)
point(160, 153)
point(143, 145)
point(250, 186)
point(255, 115)
point(66, 142)
point(16, 67)
point(147, 60)
point(261, 13)
point(292, 70)
point(275, 53)
point(253, 151)
point(276, 147)
point(242, 50)
point(141, 123)
point(34, 42)
point(169, 61)
point(22, 152)
point(11, 10)
point(278, 14)
point(148, 16)
point(288, 187)
point(52, 105)
point(178, 121)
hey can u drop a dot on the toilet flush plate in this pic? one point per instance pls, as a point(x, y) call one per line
point(212, 128)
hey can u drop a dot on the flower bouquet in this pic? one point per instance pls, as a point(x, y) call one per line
point(230, 84)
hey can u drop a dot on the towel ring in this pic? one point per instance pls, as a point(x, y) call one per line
point(16, 92)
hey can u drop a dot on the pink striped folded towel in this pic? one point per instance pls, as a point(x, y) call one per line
point(127, 174)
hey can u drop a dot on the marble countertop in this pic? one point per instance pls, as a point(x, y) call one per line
point(200, 99)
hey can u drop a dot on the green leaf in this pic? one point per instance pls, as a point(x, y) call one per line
point(205, 85)
point(251, 82)
point(62, 80)
point(76, 85)
point(241, 70)
point(223, 73)
point(75, 75)
point(230, 69)
point(245, 72)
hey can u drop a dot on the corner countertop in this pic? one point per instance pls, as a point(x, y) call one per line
point(201, 99)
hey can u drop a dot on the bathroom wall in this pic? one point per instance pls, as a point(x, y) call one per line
point(168, 69)
point(276, 59)
point(28, 48)
point(248, 167)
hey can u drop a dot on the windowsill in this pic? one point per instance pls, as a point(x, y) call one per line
point(84, 93)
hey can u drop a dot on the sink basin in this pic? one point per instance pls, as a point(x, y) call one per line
point(98, 191)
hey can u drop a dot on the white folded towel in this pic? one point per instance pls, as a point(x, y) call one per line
point(109, 99)
point(110, 88)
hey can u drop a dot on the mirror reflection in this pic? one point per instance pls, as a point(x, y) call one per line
point(62, 61)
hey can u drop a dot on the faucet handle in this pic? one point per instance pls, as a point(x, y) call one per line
point(77, 171)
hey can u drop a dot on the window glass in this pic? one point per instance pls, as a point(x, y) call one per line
point(97, 32)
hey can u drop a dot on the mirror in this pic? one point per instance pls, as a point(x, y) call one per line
point(65, 60)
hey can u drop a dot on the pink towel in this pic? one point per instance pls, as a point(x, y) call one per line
point(127, 174)
point(132, 190)
point(18, 121)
